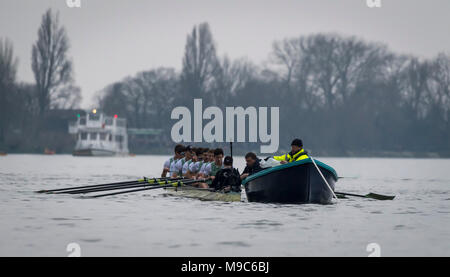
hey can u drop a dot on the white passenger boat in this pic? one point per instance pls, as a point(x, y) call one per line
point(99, 135)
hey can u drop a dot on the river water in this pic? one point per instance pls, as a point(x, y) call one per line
point(416, 223)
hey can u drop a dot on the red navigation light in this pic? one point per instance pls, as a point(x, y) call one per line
point(115, 116)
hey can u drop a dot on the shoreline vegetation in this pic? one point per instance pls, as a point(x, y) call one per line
point(348, 154)
point(342, 95)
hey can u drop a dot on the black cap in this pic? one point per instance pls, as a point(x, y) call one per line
point(228, 160)
point(297, 142)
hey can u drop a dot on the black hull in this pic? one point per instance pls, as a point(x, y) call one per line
point(299, 182)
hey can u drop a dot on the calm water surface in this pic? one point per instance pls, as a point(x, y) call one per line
point(416, 223)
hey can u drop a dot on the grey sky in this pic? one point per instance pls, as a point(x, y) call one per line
point(111, 39)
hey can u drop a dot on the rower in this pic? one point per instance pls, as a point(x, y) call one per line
point(212, 168)
point(208, 157)
point(227, 179)
point(190, 157)
point(178, 167)
point(297, 153)
point(253, 165)
point(196, 165)
point(169, 164)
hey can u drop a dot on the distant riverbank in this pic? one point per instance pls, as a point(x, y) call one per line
point(346, 154)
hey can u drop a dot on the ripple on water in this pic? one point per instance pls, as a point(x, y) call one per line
point(93, 240)
point(259, 224)
point(234, 243)
point(60, 218)
point(67, 224)
point(402, 227)
point(376, 212)
point(68, 219)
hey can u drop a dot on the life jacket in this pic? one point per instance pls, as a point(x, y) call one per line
point(300, 155)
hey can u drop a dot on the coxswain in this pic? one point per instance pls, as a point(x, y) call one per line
point(297, 153)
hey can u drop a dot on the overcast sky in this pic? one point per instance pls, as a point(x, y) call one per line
point(111, 39)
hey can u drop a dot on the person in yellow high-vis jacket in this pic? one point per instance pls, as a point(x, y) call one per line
point(297, 153)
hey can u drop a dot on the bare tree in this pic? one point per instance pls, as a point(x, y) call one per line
point(200, 63)
point(328, 67)
point(66, 97)
point(232, 76)
point(287, 53)
point(8, 64)
point(158, 88)
point(8, 69)
point(440, 85)
point(415, 86)
point(145, 100)
point(51, 66)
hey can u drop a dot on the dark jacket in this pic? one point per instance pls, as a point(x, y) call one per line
point(256, 167)
point(227, 177)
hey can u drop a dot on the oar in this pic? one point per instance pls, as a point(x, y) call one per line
point(149, 183)
point(103, 185)
point(176, 184)
point(325, 180)
point(128, 191)
point(370, 195)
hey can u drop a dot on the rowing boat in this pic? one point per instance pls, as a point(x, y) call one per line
point(293, 183)
point(296, 182)
point(203, 194)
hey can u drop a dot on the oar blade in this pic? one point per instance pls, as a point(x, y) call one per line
point(380, 196)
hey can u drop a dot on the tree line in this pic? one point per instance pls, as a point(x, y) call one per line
point(342, 95)
point(33, 116)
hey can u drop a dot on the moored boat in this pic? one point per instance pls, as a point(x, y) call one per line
point(48, 151)
point(296, 182)
point(99, 135)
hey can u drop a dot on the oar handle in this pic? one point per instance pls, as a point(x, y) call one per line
point(142, 180)
point(142, 189)
point(121, 187)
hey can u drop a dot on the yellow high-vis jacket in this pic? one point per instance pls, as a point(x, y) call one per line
point(300, 155)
